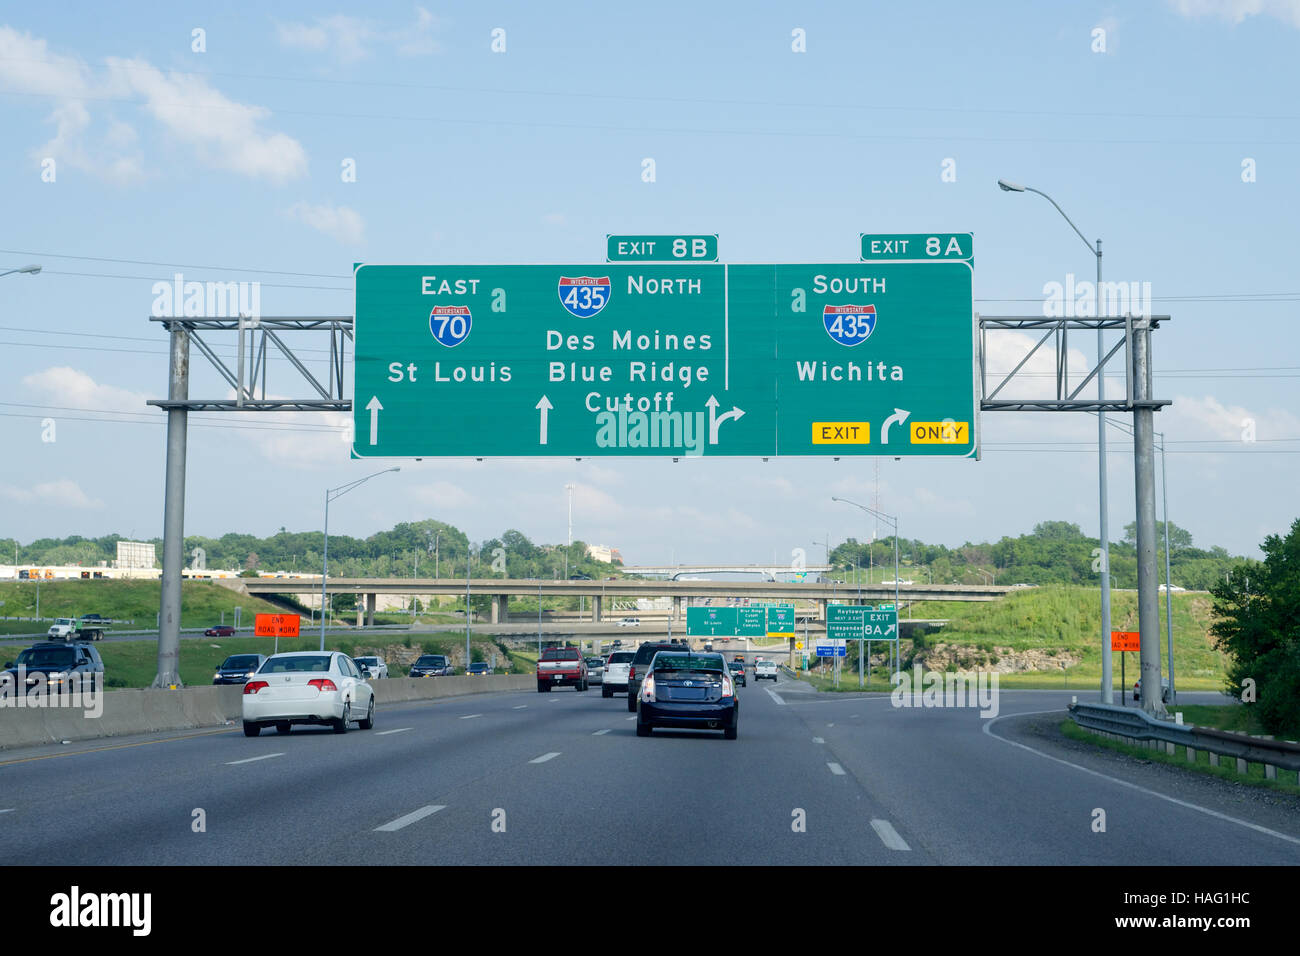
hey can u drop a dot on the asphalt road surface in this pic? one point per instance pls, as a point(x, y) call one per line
point(530, 778)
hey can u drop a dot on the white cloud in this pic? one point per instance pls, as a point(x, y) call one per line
point(338, 222)
point(64, 493)
point(442, 494)
point(351, 39)
point(554, 219)
point(222, 132)
point(1191, 418)
point(72, 388)
point(1288, 11)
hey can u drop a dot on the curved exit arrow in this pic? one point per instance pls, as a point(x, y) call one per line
point(899, 416)
point(716, 420)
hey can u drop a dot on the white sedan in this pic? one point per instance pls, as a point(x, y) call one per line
point(307, 687)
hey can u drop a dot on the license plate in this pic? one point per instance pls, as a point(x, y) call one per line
point(558, 677)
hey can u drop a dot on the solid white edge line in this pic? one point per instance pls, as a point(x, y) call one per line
point(520, 707)
point(1133, 786)
point(231, 763)
point(545, 757)
point(470, 716)
point(409, 818)
point(599, 732)
point(384, 733)
point(774, 695)
point(836, 769)
point(819, 740)
point(888, 835)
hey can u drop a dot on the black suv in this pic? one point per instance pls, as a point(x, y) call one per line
point(432, 665)
point(77, 663)
point(640, 666)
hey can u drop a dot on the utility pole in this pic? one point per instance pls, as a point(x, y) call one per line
point(1144, 480)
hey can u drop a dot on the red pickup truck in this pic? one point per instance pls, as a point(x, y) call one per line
point(561, 667)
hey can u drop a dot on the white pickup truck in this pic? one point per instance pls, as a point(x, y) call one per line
point(84, 629)
point(765, 669)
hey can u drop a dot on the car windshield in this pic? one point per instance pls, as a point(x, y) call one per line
point(241, 661)
point(429, 660)
point(46, 657)
point(368, 661)
point(296, 665)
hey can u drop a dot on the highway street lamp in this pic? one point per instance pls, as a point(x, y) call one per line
point(893, 521)
point(1107, 691)
point(27, 270)
point(330, 495)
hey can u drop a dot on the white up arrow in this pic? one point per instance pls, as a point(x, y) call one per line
point(373, 408)
point(716, 420)
point(545, 406)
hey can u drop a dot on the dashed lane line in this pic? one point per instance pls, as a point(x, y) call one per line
point(408, 819)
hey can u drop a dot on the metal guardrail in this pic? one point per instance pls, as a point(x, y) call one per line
point(1137, 724)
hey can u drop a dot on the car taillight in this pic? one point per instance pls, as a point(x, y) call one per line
point(728, 689)
point(322, 684)
point(648, 688)
point(631, 671)
point(253, 686)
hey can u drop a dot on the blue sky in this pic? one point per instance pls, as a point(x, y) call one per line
point(209, 163)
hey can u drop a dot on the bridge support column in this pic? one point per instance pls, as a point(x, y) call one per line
point(500, 608)
point(361, 613)
point(370, 609)
point(677, 607)
point(821, 609)
point(597, 603)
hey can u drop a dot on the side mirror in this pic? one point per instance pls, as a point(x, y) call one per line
point(9, 663)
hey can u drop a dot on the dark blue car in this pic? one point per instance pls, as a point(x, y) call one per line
point(688, 691)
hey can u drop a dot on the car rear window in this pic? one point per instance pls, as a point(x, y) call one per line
point(621, 657)
point(688, 663)
point(560, 654)
point(646, 651)
point(296, 665)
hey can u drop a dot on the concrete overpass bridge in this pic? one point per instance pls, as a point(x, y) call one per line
point(768, 572)
point(683, 593)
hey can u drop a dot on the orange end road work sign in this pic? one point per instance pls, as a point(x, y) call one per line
point(276, 625)
point(1119, 640)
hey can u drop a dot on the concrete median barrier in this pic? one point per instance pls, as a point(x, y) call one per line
point(145, 711)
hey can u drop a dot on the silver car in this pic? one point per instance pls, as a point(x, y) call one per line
point(595, 670)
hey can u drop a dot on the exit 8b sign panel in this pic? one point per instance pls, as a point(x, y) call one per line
point(650, 359)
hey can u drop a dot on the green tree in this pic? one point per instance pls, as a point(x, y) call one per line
point(1258, 625)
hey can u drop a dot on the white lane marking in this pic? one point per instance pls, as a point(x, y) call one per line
point(819, 740)
point(1133, 786)
point(471, 716)
point(888, 835)
point(545, 757)
point(399, 730)
point(520, 707)
point(836, 769)
point(231, 763)
point(633, 717)
point(599, 732)
point(830, 725)
point(774, 695)
point(410, 818)
point(10, 810)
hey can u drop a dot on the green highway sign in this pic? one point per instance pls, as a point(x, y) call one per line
point(780, 621)
point(918, 247)
point(661, 248)
point(858, 623)
point(710, 621)
point(751, 622)
point(665, 360)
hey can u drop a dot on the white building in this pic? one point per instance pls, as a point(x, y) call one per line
point(135, 554)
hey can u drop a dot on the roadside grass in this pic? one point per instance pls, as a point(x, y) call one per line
point(202, 603)
point(1286, 781)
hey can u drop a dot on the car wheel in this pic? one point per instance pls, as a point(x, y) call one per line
point(341, 725)
point(729, 733)
point(369, 722)
point(643, 730)
point(606, 692)
point(252, 728)
point(283, 727)
point(631, 701)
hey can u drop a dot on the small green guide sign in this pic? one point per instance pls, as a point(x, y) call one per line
point(661, 248)
point(918, 247)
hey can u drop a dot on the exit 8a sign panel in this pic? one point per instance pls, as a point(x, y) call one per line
point(666, 360)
